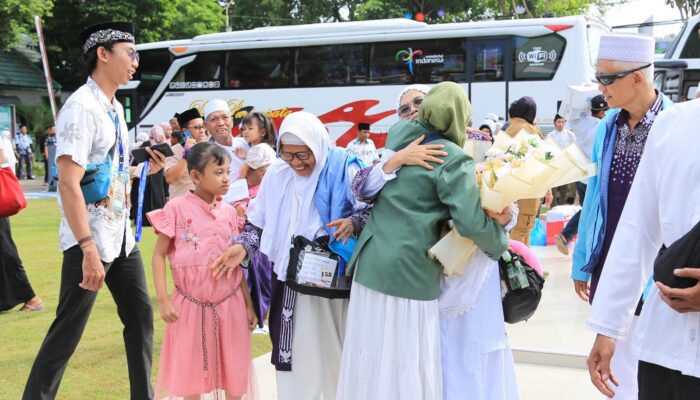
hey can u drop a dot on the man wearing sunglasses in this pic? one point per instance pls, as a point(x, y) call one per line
point(625, 74)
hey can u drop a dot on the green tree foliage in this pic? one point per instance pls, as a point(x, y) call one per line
point(687, 8)
point(17, 16)
point(471, 10)
point(154, 20)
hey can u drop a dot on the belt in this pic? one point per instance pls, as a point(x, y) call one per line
point(204, 305)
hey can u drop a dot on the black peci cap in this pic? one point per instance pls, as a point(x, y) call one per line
point(186, 116)
point(598, 103)
point(106, 32)
point(363, 126)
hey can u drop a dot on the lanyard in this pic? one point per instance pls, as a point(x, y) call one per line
point(139, 210)
point(117, 127)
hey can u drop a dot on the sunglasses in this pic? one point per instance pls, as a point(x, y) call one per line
point(608, 79)
point(406, 109)
point(301, 156)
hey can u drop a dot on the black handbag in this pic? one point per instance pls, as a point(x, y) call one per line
point(683, 253)
point(519, 304)
point(315, 270)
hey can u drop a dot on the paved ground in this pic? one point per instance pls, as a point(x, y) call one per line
point(556, 331)
point(35, 189)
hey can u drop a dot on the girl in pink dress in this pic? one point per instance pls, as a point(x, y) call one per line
point(206, 346)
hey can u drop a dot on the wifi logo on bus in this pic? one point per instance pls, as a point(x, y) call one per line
point(407, 57)
point(537, 55)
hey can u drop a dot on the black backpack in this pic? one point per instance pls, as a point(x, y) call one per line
point(520, 304)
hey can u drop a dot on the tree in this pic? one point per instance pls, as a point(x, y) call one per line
point(687, 8)
point(17, 16)
point(435, 11)
point(154, 20)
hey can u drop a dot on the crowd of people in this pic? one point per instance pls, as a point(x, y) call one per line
point(327, 247)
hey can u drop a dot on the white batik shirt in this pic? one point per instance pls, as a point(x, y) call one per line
point(366, 151)
point(86, 133)
point(663, 205)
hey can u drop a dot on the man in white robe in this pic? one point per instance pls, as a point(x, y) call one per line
point(663, 204)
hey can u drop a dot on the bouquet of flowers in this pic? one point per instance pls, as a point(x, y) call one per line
point(520, 167)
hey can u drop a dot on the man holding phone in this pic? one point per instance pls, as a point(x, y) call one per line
point(176, 173)
point(96, 238)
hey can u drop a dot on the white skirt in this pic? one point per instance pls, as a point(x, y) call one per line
point(317, 344)
point(392, 348)
point(477, 362)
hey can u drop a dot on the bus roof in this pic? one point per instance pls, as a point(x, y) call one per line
point(396, 25)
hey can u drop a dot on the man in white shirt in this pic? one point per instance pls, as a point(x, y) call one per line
point(363, 147)
point(219, 123)
point(23, 144)
point(561, 136)
point(663, 205)
point(95, 238)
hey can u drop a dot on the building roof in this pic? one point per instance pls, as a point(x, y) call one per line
point(17, 72)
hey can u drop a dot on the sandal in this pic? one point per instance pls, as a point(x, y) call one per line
point(28, 308)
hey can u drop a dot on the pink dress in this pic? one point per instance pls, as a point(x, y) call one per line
point(206, 352)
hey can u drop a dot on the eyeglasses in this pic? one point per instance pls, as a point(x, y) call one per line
point(405, 109)
point(133, 54)
point(197, 127)
point(608, 79)
point(301, 156)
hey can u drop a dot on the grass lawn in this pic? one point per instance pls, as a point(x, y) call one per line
point(98, 369)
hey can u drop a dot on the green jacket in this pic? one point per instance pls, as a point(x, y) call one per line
point(392, 251)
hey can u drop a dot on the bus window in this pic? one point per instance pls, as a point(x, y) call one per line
point(259, 68)
point(205, 72)
point(332, 65)
point(537, 58)
point(488, 61)
point(153, 64)
point(418, 61)
point(691, 49)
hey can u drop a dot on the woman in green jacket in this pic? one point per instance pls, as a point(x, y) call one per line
point(392, 343)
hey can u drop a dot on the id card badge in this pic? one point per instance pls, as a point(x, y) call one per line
point(118, 192)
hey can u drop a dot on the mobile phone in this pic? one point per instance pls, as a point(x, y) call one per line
point(140, 155)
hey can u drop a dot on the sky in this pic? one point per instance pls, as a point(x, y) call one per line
point(637, 11)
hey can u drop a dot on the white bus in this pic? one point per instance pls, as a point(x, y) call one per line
point(352, 72)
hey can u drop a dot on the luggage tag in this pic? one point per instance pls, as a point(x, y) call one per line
point(317, 269)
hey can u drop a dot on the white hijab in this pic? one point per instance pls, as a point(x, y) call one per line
point(284, 205)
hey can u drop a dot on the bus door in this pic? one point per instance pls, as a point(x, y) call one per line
point(489, 70)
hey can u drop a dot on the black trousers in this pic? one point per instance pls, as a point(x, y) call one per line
point(14, 284)
point(126, 281)
point(660, 383)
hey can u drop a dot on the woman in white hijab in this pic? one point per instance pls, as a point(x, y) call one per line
point(304, 328)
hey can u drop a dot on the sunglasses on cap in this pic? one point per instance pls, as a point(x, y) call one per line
point(608, 79)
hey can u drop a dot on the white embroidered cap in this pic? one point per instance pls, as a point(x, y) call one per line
point(215, 105)
point(627, 47)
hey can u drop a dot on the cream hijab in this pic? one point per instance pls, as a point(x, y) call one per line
point(284, 205)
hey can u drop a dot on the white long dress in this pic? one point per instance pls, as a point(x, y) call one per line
point(477, 362)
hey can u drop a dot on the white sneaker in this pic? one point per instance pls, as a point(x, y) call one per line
point(265, 330)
